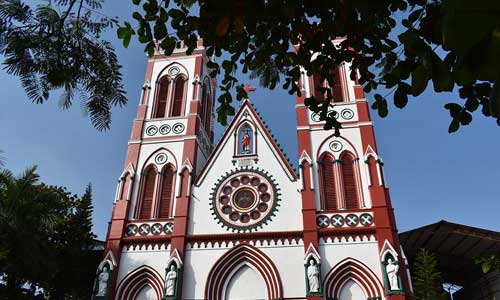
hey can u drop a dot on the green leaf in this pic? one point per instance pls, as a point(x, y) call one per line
point(175, 13)
point(401, 96)
point(168, 45)
point(137, 16)
point(160, 30)
point(454, 125)
point(419, 79)
point(486, 267)
point(136, 2)
point(441, 75)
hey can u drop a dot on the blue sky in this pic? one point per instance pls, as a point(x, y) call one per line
point(432, 175)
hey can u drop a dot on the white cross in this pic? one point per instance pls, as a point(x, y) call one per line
point(322, 221)
point(144, 229)
point(156, 229)
point(352, 220)
point(169, 227)
point(337, 221)
point(366, 219)
point(132, 230)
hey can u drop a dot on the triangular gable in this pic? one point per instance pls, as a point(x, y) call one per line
point(260, 126)
point(387, 248)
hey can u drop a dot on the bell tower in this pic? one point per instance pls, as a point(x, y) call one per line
point(172, 137)
point(343, 189)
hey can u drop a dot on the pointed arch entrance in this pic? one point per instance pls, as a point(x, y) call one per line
point(239, 267)
point(143, 283)
point(350, 279)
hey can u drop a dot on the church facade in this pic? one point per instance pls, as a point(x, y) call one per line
point(234, 220)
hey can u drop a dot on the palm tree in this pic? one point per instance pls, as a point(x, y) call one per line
point(28, 211)
point(2, 159)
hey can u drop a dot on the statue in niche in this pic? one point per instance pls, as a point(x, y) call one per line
point(392, 269)
point(313, 276)
point(245, 142)
point(170, 281)
point(102, 282)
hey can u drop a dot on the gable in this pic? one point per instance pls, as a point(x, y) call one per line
point(228, 149)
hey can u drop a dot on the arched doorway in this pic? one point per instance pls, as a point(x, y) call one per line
point(146, 293)
point(352, 291)
point(246, 284)
point(237, 269)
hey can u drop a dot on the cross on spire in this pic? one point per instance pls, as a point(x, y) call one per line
point(249, 89)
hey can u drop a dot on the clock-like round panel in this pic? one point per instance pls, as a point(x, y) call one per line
point(244, 199)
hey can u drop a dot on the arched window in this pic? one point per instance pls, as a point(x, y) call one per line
point(207, 104)
point(125, 187)
point(149, 178)
point(317, 85)
point(180, 83)
point(329, 193)
point(337, 85)
point(161, 97)
point(203, 105)
point(166, 194)
point(245, 140)
point(372, 169)
point(349, 178)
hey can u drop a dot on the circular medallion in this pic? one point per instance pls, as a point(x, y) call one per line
point(351, 220)
point(151, 130)
point(315, 117)
point(132, 229)
point(337, 220)
point(169, 227)
point(178, 128)
point(164, 129)
point(174, 71)
point(244, 199)
point(347, 114)
point(336, 146)
point(366, 219)
point(144, 229)
point(161, 158)
point(156, 229)
point(322, 221)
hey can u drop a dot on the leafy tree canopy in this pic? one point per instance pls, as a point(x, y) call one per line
point(449, 44)
point(488, 262)
point(45, 235)
point(57, 45)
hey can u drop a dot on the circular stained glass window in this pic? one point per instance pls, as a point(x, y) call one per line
point(244, 200)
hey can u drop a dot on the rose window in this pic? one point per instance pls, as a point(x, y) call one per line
point(244, 200)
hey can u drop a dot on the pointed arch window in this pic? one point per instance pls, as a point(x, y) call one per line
point(372, 170)
point(349, 180)
point(328, 190)
point(178, 99)
point(166, 194)
point(203, 105)
point(147, 193)
point(335, 89)
point(317, 85)
point(246, 136)
point(125, 187)
point(160, 106)
point(337, 85)
point(207, 105)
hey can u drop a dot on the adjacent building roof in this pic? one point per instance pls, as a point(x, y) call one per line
point(455, 245)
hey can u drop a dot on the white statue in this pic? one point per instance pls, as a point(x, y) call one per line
point(313, 276)
point(170, 280)
point(392, 269)
point(102, 282)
